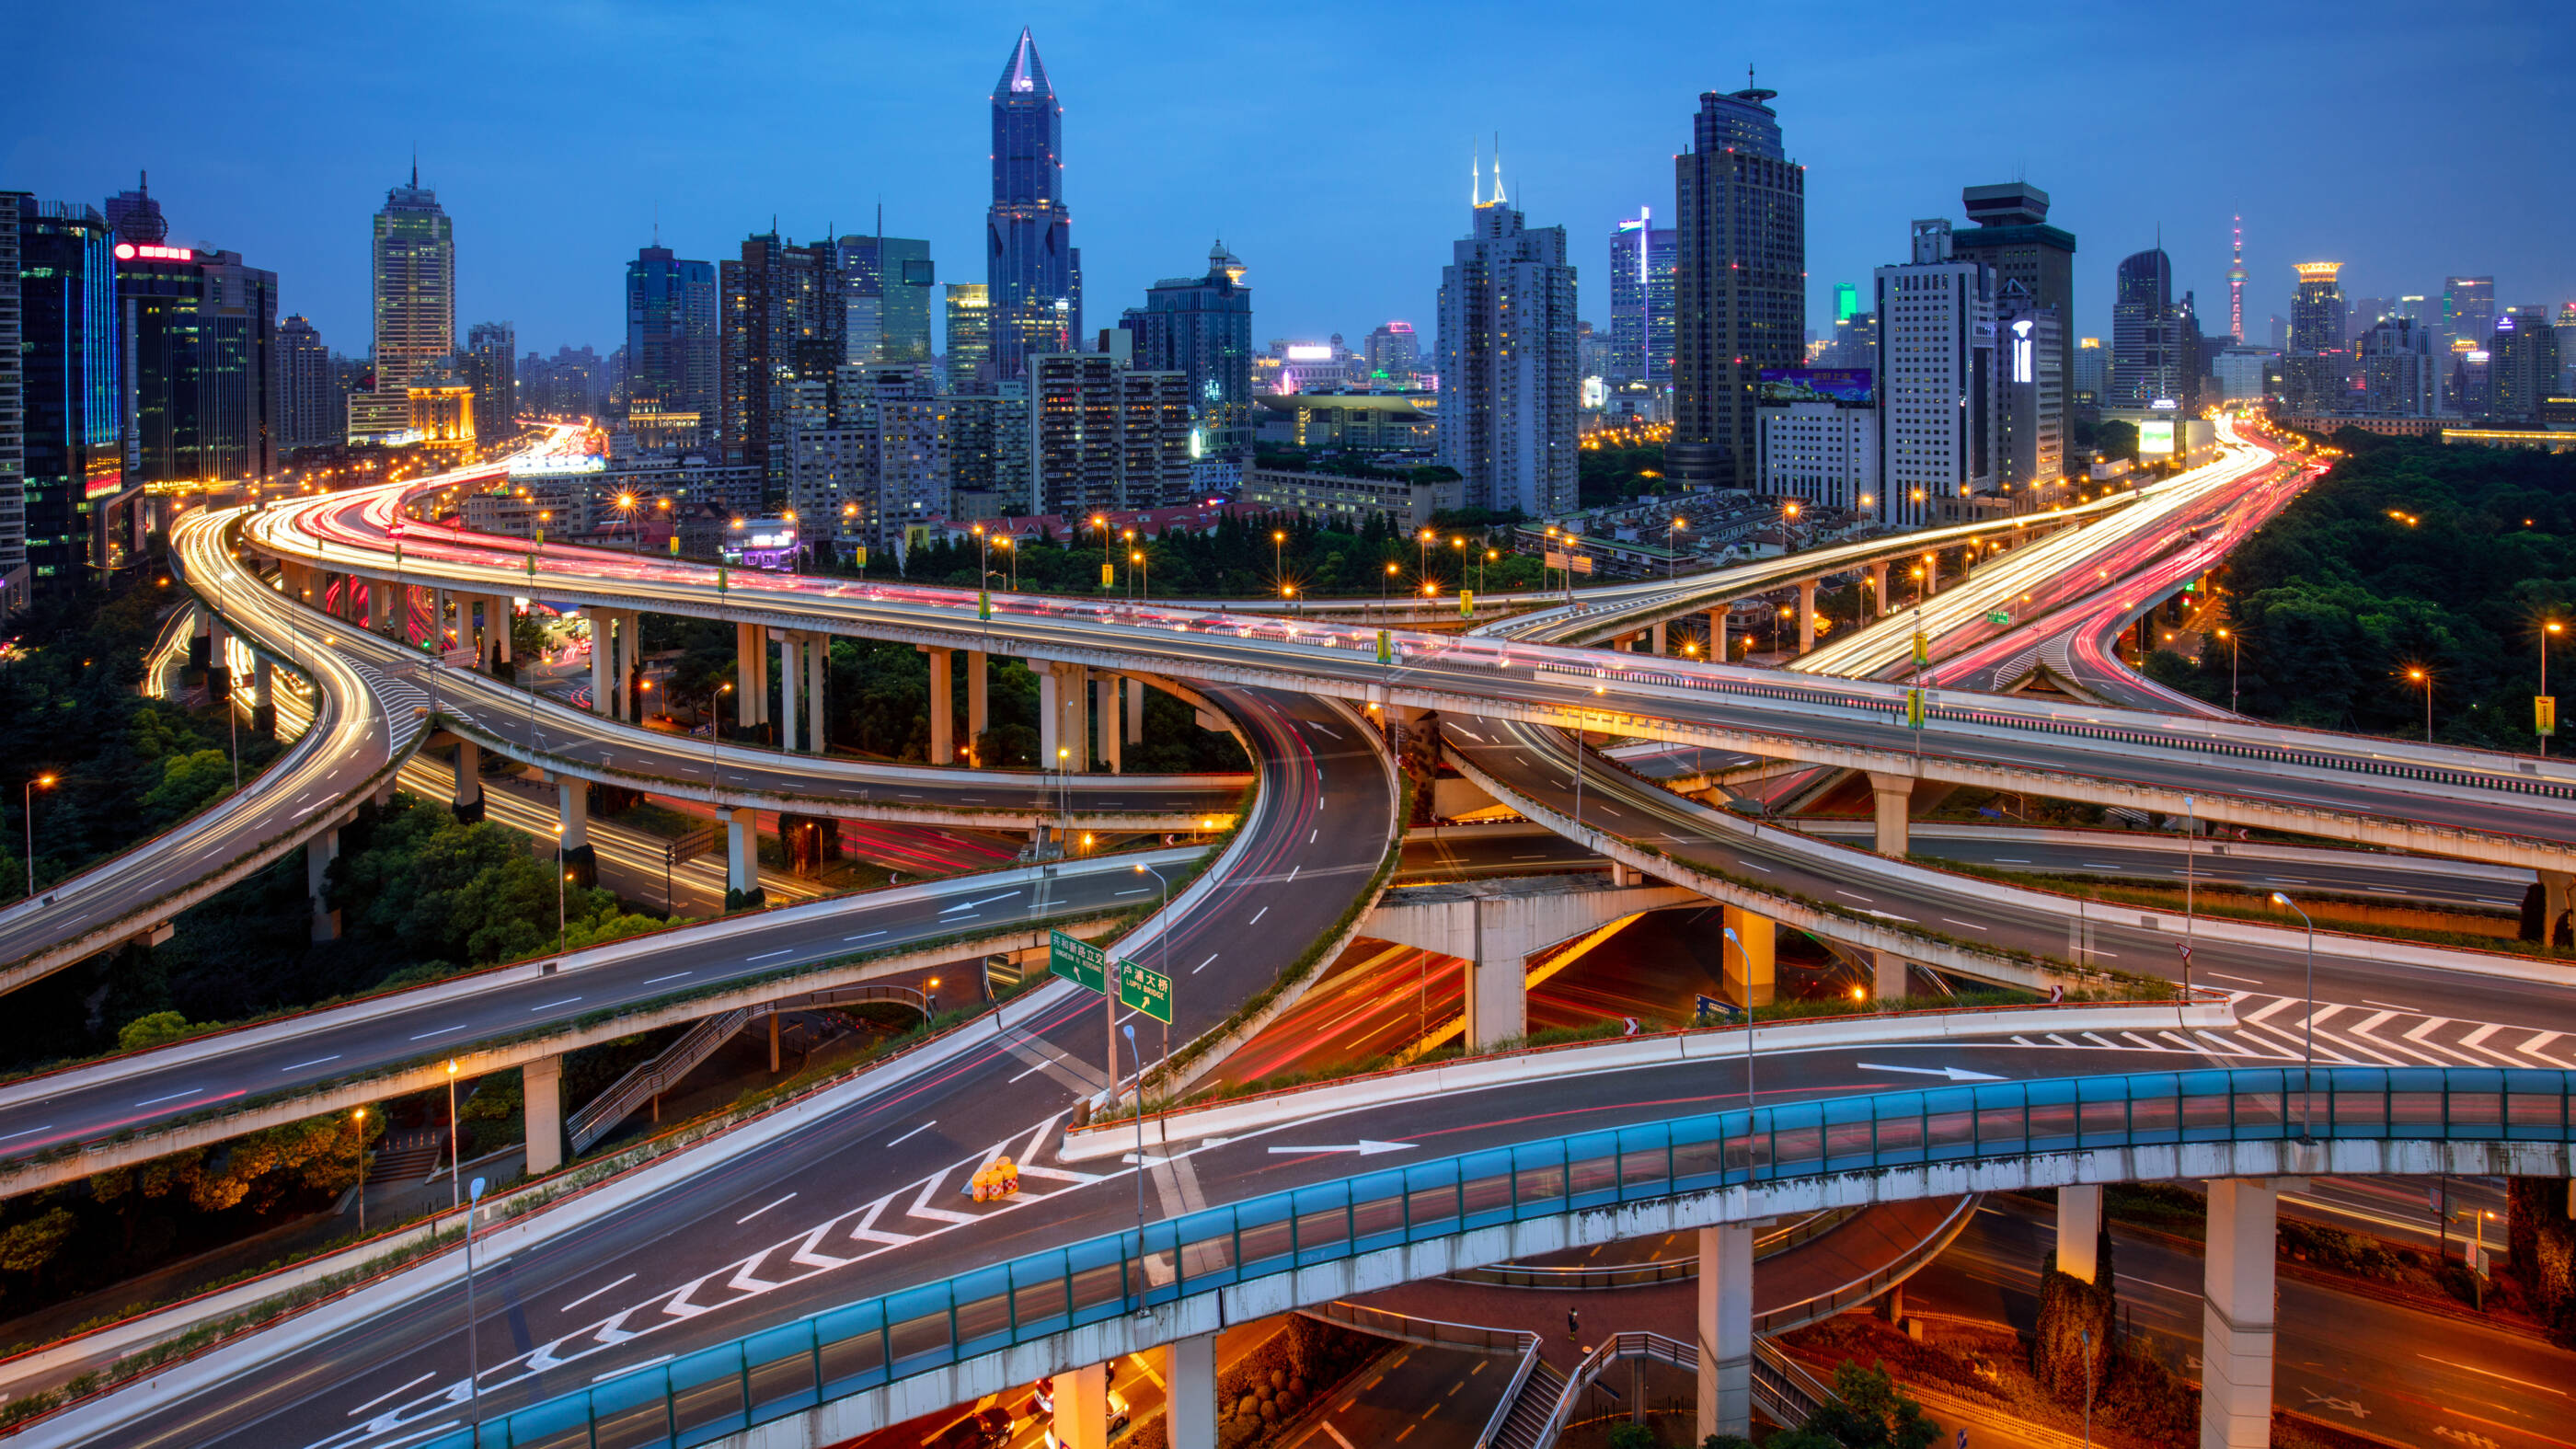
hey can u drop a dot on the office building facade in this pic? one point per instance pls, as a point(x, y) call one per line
point(783, 320)
point(988, 451)
point(2468, 310)
point(1103, 435)
point(13, 419)
point(1641, 301)
point(71, 443)
point(2011, 235)
point(310, 409)
point(1201, 328)
point(2522, 366)
point(886, 286)
point(1935, 379)
point(1393, 354)
point(1739, 284)
point(2312, 371)
point(2146, 334)
point(2030, 391)
point(1033, 271)
point(200, 364)
point(673, 336)
point(970, 337)
point(490, 366)
point(2400, 372)
point(869, 457)
point(1819, 444)
point(412, 285)
point(1508, 379)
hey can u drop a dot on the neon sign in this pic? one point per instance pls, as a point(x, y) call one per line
point(128, 251)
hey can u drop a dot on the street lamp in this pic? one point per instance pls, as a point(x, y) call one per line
point(1746, 957)
point(1672, 549)
point(2310, 1029)
point(2230, 637)
point(1163, 939)
point(2424, 678)
point(1387, 582)
point(473, 1355)
point(2552, 627)
point(359, 1118)
point(27, 811)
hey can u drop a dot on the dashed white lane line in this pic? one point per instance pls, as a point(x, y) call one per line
point(551, 1005)
point(1257, 915)
point(317, 1061)
point(926, 1126)
point(1203, 965)
point(764, 1207)
point(765, 955)
point(674, 976)
point(172, 1097)
point(593, 1293)
point(380, 1398)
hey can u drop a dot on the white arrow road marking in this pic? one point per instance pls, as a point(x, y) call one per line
point(1956, 1074)
point(1363, 1147)
point(986, 901)
point(678, 1304)
point(611, 1333)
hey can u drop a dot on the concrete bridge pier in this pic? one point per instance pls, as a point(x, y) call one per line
point(1135, 710)
point(572, 818)
point(742, 849)
point(818, 665)
point(1498, 925)
point(1893, 799)
point(438, 619)
point(541, 1082)
point(978, 701)
point(1717, 634)
point(1887, 976)
point(750, 676)
point(1750, 959)
point(1877, 607)
point(467, 800)
point(1064, 716)
point(219, 668)
point(2557, 898)
point(1806, 615)
point(790, 727)
point(2079, 1231)
point(2238, 1316)
point(1189, 1377)
point(263, 710)
point(1657, 644)
point(1112, 738)
point(943, 708)
point(1725, 1324)
point(319, 852)
point(1082, 1408)
point(603, 654)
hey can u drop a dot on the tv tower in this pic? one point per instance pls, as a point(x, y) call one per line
point(2236, 287)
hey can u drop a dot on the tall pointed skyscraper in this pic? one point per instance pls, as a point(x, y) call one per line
point(1032, 269)
point(1739, 284)
point(413, 259)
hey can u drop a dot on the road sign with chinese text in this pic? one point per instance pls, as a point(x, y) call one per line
point(1077, 961)
point(1143, 989)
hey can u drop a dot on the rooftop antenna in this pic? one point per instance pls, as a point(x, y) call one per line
point(657, 223)
point(1498, 168)
point(1476, 170)
point(415, 165)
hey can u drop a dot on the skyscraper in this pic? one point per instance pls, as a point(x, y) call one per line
point(200, 358)
point(1201, 328)
point(2522, 365)
point(490, 363)
point(2091, 380)
point(783, 320)
point(71, 379)
point(1031, 265)
point(2312, 370)
point(2146, 359)
point(1392, 353)
point(1739, 285)
point(2030, 392)
point(13, 419)
point(1641, 301)
point(2236, 279)
point(970, 337)
point(1508, 382)
point(1104, 435)
point(135, 217)
point(886, 282)
point(2400, 375)
point(671, 336)
point(309, 411)
point(2468, 310)
point(1936, 379)
point(2012, 235)
point(412, 265)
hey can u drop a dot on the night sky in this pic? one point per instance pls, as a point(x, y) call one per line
point(1328, 143)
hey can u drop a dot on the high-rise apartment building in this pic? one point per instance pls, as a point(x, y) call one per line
point(1032, 267)
point(988, 451)
point(672, 336)
point(1392, 353)
point(2012, 235)
point(1509, 385)
point(1103, 435)
point(1935, 377)
point(1818, 433)
point(1739, 284)
point(1201, 328)
point(970, 337)
point(2312, 370)
point(886, 286)
point(2400, 371)
point(490, 366)
point(869, 456)
point(2146, 336)
point(2565, 329)
point(412, 272)
point(1641, 301)
point(310, 413)
point(783, 320)
point(2522, 365)
point(2468, 310)
point(200, 360)
point(71, 386)
point(13, 419)
point(2090, 383)
point(2030, 392)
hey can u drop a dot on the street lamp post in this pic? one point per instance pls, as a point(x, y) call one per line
point(452, 1164)
point(2310, 1029)
point(359, 1117)
point(1163, 939)
point(27, 812)
point(1746, 957)
point(473, 1353)
point(2552, 627)
point(2425, 678)
point(2230, 636)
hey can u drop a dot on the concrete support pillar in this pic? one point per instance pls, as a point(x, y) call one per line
point(219, 662)
point(1073, 698)
point(1893, 797)
point(2079, 1231)
point(467, 799)
point(1190, 1379)
point(1725, 1324)
point(1050, 715)
point(1877, 590)
point(978, 706)
point(623, 669)
point(2237, 1316)
point(818, 664)
point(789, 726)
point(943, 710)
point(1887, 976)
point(1717, 647)
point(542, 1082)
point(1082, 1408)
point(1112, 738)
point(1135, 710)
point(1660, 644)
point(750, 686)
point(263, 712)
point(1748, 969)
point(438, 620)
point(572, 814)
point(502, 612)
point(2557, 898)
point(603, 653)
point(319, 852)
point(1806, 615)
point(742, 848)
point(1497, 1005)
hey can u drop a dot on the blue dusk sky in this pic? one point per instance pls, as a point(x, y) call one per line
point(1328, 143)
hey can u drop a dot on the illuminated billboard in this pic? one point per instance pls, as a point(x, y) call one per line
point(2156, 439)
point(1814, 384)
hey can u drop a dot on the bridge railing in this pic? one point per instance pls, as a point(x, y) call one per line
point(702, 1396)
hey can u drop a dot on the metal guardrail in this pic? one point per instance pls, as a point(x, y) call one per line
point(1652, 1346)
point(1808, 1227)
point(1861, 1290)
point(648, 1079)
point(1783, 1389)
point(1438, 1333)
point(705, 1395)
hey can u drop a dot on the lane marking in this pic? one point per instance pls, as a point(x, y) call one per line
point(863, 935)
point(1203, 965)
point(172, 1097)
point(2248, 980)
point(674, 976)
point(648, 1363)
point(926, 1126)
point(765, 955)
point(442, 1031)
point(764, 1207)
point(1257, 915)
point(593, 1293)
point(2490, 1373)
point(317, 1061)
point(551, 1005)
point(380, 1398)
point(27, 1132)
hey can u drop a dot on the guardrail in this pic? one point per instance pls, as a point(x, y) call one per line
point(650, 1079)
point(1861, 1290)
point(1806, 1229)
point(726, 1389)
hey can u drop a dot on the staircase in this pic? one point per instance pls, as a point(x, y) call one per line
point(408, 1156)
point(601, 1114)
point(1528, 1410)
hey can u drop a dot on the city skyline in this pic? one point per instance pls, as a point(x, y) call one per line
point(1334, 246)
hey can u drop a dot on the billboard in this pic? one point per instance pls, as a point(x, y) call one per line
point(1814, 384)
point(2156, 439)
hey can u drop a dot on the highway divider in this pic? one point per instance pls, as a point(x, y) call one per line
point(1237, 1116)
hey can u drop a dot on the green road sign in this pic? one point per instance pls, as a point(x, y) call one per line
point(1077, 961)
point(1914, 709)
point(984, 604)
point(1145, 990)
point(1998, 617)
point(1385, 647)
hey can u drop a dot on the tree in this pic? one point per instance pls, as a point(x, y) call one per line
point(1869, 1411)
point(188, 783)
point(157, 1029)
point(30, 1247)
